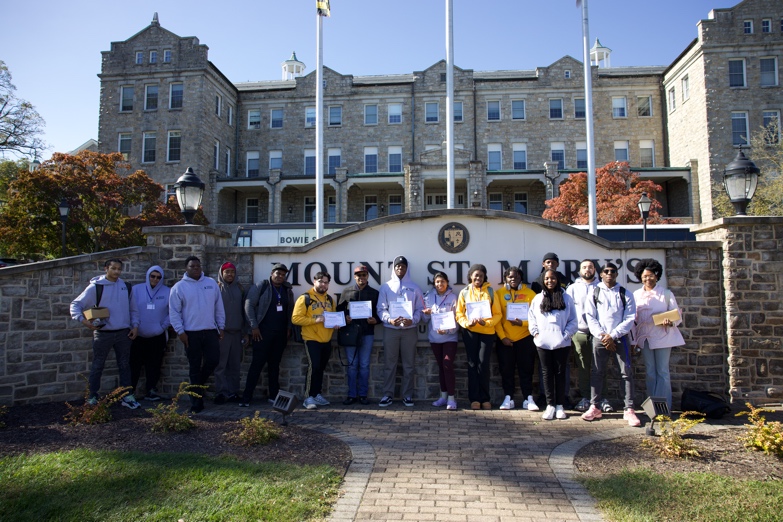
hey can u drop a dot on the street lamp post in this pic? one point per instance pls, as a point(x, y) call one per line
point(644, 209)
point(190, 190)
point(740, 178)
point(64, 209)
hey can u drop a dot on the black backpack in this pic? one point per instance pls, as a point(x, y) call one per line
point(295, 328)
point(710, 404)
point(99, 293)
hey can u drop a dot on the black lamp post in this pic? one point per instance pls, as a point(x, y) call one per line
point(64, 209)
point(644, 209)
point(740, 178)
point(190, 190)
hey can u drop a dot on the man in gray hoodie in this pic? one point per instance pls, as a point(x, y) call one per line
point(235, 336)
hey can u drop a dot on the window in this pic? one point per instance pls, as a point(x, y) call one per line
point(309, 209)
point(771, 121)
point(493, 110)
point(252, 164)
point(618, 107)
point(276, 118)
point(139, 57)
point(646, 153)
point(766, 26)
point(153, 56)
point(739, 128)
point(556, 109)
point(557, 153)
point(370, 159)
point(174, 152)
point(395, 204)
point(251, 210)
point(395, 113)
point(621, 151)
point(167, 56)
point(517, 109)
point(736, 73)
point(218, 104)
point(171, 193)
point(494, 156)
point(216, 155)
point(331, 209)
point(370, 207)
point(309, 116)
point(395, 159)
point(644, 106)
point(335, 157)
point(148, 143)
point(176, 94)
point(151, 98)
point(230, 115)
point(672, 100)
point(431, 112)
point(443, 77)
point(335, 116)
point(124, 145)
point(275, 159)
point(458, 118)
point(520, 202)
point(567, 74)
point(309, 162)
point(686, 89)
point(495, 201)
point(520, 156)
point(747, 26)
point(769, 71)
point(581, 154)
point(580, 110)
point(371, 115)
point(253, 119)
point(126, 99)
point(227, 156)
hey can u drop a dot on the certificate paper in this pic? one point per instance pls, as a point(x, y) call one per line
point(360, 309)
point(517, 311)
point(332, 319)
point(444, 321)
point(402, 309)
point(478, 310)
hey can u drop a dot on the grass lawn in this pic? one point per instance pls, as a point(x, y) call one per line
point(86, 485)
point(642, 495)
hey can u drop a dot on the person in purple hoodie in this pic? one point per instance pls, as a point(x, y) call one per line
point(149, 312)
point(197, 315)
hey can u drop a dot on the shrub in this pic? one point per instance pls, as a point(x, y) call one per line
point(671, 442)
point(98, 413)
point(760, 434)
point(166, 417)
point(254, 430)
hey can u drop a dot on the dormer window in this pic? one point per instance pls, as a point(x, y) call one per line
point(567, 74)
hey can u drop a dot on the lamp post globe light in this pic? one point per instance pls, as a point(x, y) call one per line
point(64, 209)
point(740, 178)
point(190, 190)
point(644, 205)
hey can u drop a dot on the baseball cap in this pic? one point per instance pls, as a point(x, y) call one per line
point(550, 255)
point(280, 266)
point(400, 260)
point(360, 268)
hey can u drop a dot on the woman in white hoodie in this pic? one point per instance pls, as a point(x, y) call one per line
point(552, 322)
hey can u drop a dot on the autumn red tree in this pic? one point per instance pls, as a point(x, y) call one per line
point(617, 193)
point(109, 206)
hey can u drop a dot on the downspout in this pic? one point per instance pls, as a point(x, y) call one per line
point(475, 130)
point(413, 120)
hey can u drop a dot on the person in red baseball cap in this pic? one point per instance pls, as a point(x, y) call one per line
point(235, 336)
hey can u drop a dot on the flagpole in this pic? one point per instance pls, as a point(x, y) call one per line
point(591, 188)
point(319, 129)
point(449, 104)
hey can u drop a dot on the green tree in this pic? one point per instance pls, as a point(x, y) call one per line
point(109, 206)
point(20, 124)
point(9, 170)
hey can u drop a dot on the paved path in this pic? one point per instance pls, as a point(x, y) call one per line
point(423, 463)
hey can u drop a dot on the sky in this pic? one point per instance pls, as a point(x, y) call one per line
point(53, 48)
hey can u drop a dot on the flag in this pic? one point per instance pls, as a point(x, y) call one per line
point(322, 6)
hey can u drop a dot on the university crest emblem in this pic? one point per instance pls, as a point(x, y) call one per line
point(453, 237)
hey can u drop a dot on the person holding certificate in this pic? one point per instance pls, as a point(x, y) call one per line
point(359, 303)
point(399, 305)
point(655, 329)
point(552, 322)
point(478, 312)
point(514, 346)
point(317, 329)
point(439, 305)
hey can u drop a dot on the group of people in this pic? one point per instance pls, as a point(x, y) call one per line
point(216, 319)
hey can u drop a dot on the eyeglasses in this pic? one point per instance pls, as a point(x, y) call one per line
point(322, 281)
point(610, 271)
point(154, 276)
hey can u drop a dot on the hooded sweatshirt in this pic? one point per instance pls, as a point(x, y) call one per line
point(149, 307)
point(553, 329)
point(114, 297)
point(440, 304)
point(233, 304)
point(195, 304)
point(396, 289)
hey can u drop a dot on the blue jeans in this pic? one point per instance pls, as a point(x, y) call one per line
point(359, 366)
point(656, 364)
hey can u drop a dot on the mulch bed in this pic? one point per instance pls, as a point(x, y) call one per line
point(41, 428)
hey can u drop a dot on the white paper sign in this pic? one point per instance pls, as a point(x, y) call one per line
point(360, 309)
point(444, 321)
point(478, 310)
point(402, 309)
point(517, 311)
point(332, 319)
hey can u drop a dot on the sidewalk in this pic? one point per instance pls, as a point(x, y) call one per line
point(423, 463)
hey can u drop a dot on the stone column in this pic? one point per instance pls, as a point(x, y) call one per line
point(274, 196)
point(414, 190)
point(340, 177)
point(176, 243)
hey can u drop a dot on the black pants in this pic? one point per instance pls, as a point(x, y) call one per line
point(147, 352)
point(520, 357)
point(203, 353)
point(478, 347)
point(318, 356)
point(268, 351)
point(553, 367)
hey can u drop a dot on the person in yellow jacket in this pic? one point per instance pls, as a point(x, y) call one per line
point(515, 347)
point(478, 333)
point(317, 338)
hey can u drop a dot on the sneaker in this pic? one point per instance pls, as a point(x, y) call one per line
point(508, 403)
point(310, 403)
point(152, 395)
point(606, 407)
point(349, 401)
point(243, 404)
point(386, 401)
point(92, 401)
point(549, 413)
point(320, 401)
point(583, 405)
point(440, 402)
point(451, 405)
point(530, 404)
point(630, 416)
point(407, 401)
point(129, 401)
point(593, 413)
point(560, 412)
point(220, 398)
point(364, 400)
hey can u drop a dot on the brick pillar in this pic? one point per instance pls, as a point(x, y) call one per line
point(176, 243)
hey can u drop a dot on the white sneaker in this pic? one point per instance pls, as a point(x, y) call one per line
point(508, 403)
point(530, 404)
point(309, 403)
point(320, 401)
point(129, 401)
point(549, 413)
point(560, 413)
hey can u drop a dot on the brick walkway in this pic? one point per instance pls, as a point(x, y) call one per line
point(425, 464)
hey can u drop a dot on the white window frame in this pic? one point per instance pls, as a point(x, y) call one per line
point(275, 122)
point(551, 108)
point(144, 149)
point(515, 111)
point(254, 119)
point(147, 97)
point(491, 116)
point(167, 56)
point(619, 107)
point(370, 205)
point(334, 153)
point(275, 160)
point(394, 151)
point(459, 115)
point(123, 89)
point(230, 115)
point(649, 107)
point(567, 74)
point(171, 95)
point(495, 201)
point(250, 156)
point(331, 209)
point(257, 208)
point(647, 145)
point(309, 117)
point(685, 85)
point(309, 209)
point(216, 155)
point(173, 134)
point(740, 116)
point(520, 198)
point(128, 138)
point(394, 204)
point(766, 25)
point(773, 73)
point(747, 26)
point(584, 108)
point(368, 152)
point(494, 150)
point(218, 105)
point(519, 148)
point(771, 138)
point(428, 117)
point(339, 110)
point(309, 156)
point(619, 146)
point(559, 148)
point(672, 100)
point(581, 149)
point(139, 57)
point(368, 115)
point(394, 113)
point(153, 56)
point(744, 73)
point(227, 157)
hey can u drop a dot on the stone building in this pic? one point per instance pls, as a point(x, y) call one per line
point(167, 107)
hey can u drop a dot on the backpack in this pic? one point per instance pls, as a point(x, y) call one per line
point(464, 294)
point(99, 293)
point(597, 294)
point(710, 404)
point(297, 329)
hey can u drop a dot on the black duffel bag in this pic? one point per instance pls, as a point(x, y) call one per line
point(710, 404)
